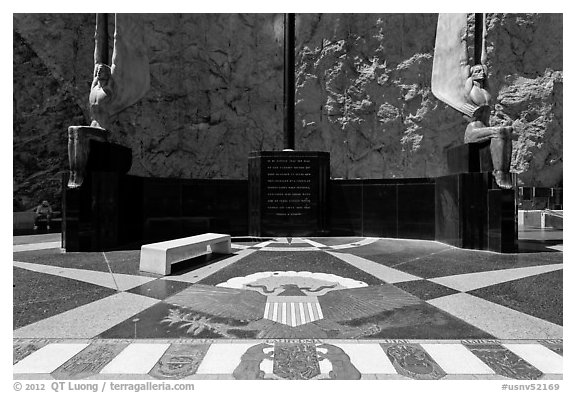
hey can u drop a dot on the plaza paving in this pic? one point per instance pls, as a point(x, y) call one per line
point(302, 308)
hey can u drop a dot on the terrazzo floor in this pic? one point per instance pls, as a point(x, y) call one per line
point(301, 308)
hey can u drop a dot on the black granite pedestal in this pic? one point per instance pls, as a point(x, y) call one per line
point(113, 210)
point(288, 193)
point(471, 210)
point(91, 216)
point(469, 157)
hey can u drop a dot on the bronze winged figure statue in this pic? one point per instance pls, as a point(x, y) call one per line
point(115, 86)
point(465, 88)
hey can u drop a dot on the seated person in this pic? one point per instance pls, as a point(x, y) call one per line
point(43, 211)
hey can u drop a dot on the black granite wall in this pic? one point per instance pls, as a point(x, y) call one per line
point(396, 208)
point(116, 211)
point(112, 211)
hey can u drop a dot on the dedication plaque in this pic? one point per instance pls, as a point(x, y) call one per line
point(288, 193)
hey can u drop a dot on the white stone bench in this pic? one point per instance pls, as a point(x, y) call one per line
point(159, 257)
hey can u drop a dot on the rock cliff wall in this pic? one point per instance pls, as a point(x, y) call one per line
point(363, 93)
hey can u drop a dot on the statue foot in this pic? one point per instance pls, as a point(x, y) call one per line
point(75, 180)
point(79, 179)
point(503, 179)
point(72, 180)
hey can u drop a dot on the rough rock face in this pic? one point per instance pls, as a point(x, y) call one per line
point(363, 93)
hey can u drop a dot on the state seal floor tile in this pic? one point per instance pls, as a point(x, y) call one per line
point(90, 361)
point(23, 348)
point(553, 345)
point(503, 361)
point(412, 361)
point(289, 360)
point(179, 361)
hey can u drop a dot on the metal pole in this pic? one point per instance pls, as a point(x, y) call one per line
point(101, 40)
point(478, 38)
point(289, 80)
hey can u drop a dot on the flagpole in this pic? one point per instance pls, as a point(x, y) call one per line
point(289, 81)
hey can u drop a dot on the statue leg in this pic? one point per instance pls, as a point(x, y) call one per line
point(72, 136)
point(501, 151)
point(79, 138)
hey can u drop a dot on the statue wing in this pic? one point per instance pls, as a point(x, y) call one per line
point(130, 65)
point(239, 304)
point(354, 303)
point(450, 67)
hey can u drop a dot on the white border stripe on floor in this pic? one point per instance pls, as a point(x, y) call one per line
point(48, 358)
point(368, 358)
point(35, 246)
point(118, 281)
point(456, 359)
point(263, 244)
point(136, 359)
point(289, 249)
point(313, 243)
point(382, 272)
point(223, 358)
point(501, 322)
point(239, 246)
point(471, 281)
point(545, 360)
point(88, 320)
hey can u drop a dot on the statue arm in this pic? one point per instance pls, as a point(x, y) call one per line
point(468, 87)
point(130, 67)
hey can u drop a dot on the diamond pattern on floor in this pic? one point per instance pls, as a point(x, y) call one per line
point(395, 322)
